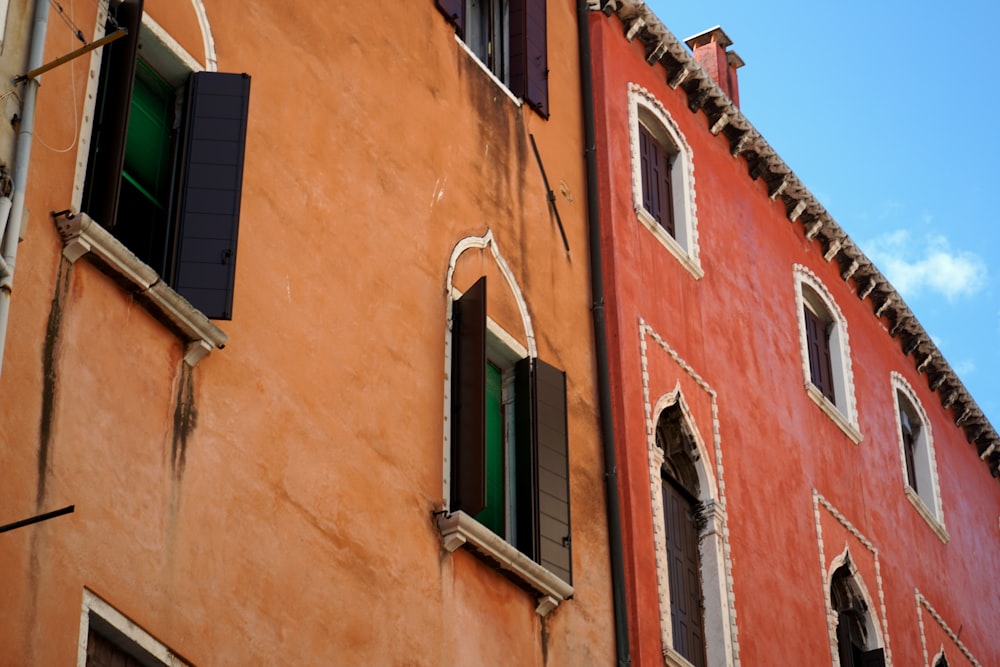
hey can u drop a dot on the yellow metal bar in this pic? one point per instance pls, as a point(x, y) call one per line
point(87, 48)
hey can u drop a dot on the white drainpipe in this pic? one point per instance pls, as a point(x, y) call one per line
point(22, 157)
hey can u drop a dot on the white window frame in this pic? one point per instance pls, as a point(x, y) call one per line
point(125, 628)
point(843, 411)
point(926, 498)
point(644, 108)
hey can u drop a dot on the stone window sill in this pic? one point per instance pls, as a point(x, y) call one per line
point(670, 243)
point(672, 658)
point(82, 236)
point(927, 515)
point(834, 413)
point(458, 529)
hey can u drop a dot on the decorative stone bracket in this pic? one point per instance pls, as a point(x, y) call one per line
point(82, 236)
point(458, 528)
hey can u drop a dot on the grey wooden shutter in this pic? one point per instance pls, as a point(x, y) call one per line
point(454, 11)
point(529, 64)
point(468, 401)
point(107, 157)
point(211, 184)
point(542, 455)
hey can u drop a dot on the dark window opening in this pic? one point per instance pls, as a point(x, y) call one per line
point(509, 37)
point(853, 623)
point(910, 427)
point(513, 480)
point(683, 523)
point(165, 168)
point(107, 647)
point(656, 165)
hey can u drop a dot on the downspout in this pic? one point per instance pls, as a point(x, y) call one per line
point(22, 157)
point(601, 344)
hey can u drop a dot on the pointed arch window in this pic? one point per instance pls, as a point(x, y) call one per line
point(683, 523)
point(856, 641)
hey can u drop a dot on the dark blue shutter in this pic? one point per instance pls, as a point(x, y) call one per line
point(211, 183)
point(107, 157)
point(529, 63)
point(454, 11)
point(468, 401)
point(542, 477)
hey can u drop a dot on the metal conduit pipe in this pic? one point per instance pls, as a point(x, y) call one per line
point(623, 652)
point(22, 158)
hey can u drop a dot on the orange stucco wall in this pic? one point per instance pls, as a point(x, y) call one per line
point(785, 462)
point(274, 504)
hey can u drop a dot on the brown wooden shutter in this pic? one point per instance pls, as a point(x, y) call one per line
point(666, 188)
point(107, 156)
point(529, 64)
point(818, 344)
point(542, 455)
point(684, 572)
point(468, 401)
point(454, 11)
point(647, 161)
point(211, 184)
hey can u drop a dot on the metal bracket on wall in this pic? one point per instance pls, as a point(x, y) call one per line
point(551, 195)
point(107, 39)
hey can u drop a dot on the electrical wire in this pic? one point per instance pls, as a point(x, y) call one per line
point(68, 21)
point(72, 89)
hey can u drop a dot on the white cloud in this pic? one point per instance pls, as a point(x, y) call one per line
point(915, 266)
point(964, 368)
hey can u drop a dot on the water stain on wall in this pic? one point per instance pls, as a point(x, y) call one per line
point(50, 374)
point(185, 420)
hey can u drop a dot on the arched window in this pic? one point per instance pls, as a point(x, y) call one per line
point(826, 357)
point(857, 645)
point(683, 522)
point(916, 445)
point(663, 178)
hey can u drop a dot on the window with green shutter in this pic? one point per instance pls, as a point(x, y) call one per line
point(165, 168)
point(509, 471)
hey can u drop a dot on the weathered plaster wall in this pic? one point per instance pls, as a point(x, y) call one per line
point(274, 503)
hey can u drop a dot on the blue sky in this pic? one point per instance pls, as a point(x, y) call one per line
point(885, 111)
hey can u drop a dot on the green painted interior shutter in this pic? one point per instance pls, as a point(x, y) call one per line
point(468, 401)
point(211, 185)
point(542, 454)
point(492, 515)
point(111, 118)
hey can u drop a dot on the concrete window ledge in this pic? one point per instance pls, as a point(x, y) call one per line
point(458, 528)
point(82, 236)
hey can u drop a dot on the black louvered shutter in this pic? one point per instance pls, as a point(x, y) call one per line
point(454, 11)
point(211, 182)
point(529, 63)
point(107, 157)
point(542, 476)
point(468, 401)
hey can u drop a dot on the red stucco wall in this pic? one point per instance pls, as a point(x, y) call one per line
point(785, 462)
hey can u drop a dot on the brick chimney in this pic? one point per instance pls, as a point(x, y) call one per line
point(710, 52)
